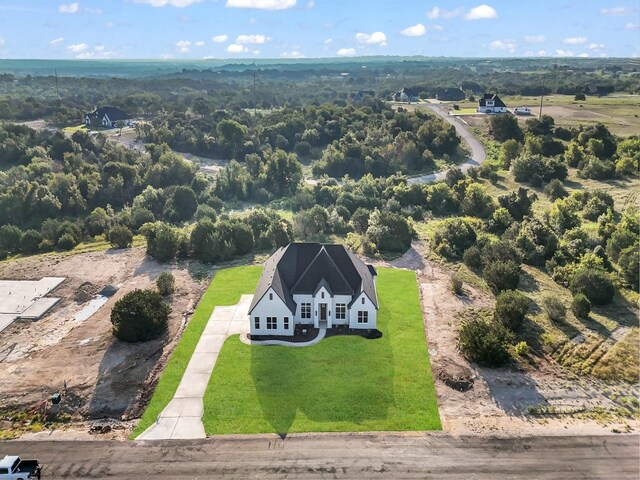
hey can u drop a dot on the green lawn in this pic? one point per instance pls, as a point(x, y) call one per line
point(341, 384)
point(225, 289)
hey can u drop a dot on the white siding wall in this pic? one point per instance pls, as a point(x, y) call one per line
point(300, 299)
point(359, 306)
point(271, 308)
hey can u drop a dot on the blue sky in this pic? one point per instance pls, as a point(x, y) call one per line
point(193, 29)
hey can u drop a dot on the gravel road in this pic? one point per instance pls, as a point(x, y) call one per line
point(367, 456)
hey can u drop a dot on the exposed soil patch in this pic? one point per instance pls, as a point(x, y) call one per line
point(104, 377)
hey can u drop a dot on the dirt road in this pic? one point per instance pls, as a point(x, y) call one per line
point(382, 455)
point(478, 154)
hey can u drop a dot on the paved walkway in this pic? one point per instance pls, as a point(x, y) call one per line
point(182, 418)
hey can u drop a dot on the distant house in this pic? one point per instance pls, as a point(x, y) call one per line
point(407, 94)
point(313, 284)
point(108, 116)
point(491, 103)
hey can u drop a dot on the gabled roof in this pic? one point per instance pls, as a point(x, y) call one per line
point(300, 268)
point(497, 102)
point(114, 114)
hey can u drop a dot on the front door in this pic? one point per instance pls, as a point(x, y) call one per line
point(323, 312)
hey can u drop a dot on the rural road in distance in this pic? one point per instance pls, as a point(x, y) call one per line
point(337, 456)
point(478, 154)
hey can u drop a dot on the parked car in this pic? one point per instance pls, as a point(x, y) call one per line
point(15, 468)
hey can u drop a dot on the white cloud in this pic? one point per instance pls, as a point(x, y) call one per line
point(564, 53)
point(173, 3)
point(56, 41)
point(375, 37)
point(94, 11)
point(199, 43)
point(632, 26)
point(68, 8)
point(292, 54)
point(328, 41)
point(235, 48)
point(583, 55)
point(542, 53)
point(575, 40)
point(78, 47)
point(1, 41)
point(252, 39)
point(219, 38)
point(535, 38)
point(183, 46)
point(509, 45)
point(262, 4)
point(481, 12)
point(346, 52)
point(595, 46)
point(617, 11)
point(417, 30)
point(437, 12)
point(99, 48)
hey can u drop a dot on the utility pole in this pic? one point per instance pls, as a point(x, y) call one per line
point(541, 98)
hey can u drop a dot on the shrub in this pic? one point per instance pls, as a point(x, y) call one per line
point(456, 284)
point(10, 238)
point(511, 308)
point(139, 316)
point(535, 180)
point(555, 190)
point(581, 306)
point(166, 283)
point(472, 258)
point(30, 242)
point(484, 341)
point(522, 349)
point(66, 242)
point(594, 284)
point(120, 237)
point(628, 262)
point(554, 308)
point(525, 166)
point(580, 97)
point(453, 237)
point(502, 276)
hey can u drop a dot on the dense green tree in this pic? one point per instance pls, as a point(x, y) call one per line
point(140, 315)
point(511, 309)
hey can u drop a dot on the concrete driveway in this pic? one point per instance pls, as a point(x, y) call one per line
point(182, 418)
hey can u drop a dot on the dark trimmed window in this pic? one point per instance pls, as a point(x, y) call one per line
point(256, 322)
point(341, 311)
point(363, 316)
point(272, 323)
point(305, 310)
point(285, 323)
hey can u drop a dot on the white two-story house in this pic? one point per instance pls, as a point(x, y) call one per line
point(313, 284)
point(491, 103)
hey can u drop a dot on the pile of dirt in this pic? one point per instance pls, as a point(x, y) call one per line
point(456, 376)
point(85, 292)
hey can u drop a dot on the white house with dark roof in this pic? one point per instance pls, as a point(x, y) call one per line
point(491, 103)
point(108, 116)
point(318, 285)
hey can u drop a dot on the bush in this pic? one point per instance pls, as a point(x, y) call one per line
point(484, 341)
point(10, 238)
point(628, 262)
point(535, 180)
point(511, 308)
point(30, 242)
point(522, 349)
point(554, 308)
point(67, 242)
point(139, 316)
point(555, 190)
point(472, 258)
point(502, 276)
point(120, 237)
point(456, 284)
point(453, 237)
point(593, 284)
point(581, 306)
point(580, 97)
point(166, 283)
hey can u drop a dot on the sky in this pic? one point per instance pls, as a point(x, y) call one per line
point(201, 29)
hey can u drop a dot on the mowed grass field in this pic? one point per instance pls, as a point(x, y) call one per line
point(344, 383)
point(225, 289)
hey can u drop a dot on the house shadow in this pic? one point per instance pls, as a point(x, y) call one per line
point(341, 379)
point(122, 374)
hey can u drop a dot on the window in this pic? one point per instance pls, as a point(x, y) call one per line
point(305, 310)
point(341, 311)
point(272, 323)
point(363, 300)
point(285, 323)
point(322, 295)
point(363, 317)
point(256, 323)
point(271, 296)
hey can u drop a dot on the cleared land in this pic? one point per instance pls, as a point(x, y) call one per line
point(345, 383)
point(225, 289)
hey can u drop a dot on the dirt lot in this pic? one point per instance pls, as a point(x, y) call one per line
point(104, 377)
point(498, 400)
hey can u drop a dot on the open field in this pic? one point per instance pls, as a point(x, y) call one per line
point(345, 383)
point(225, 289)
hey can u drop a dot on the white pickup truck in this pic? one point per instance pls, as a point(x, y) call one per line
point(14, 468)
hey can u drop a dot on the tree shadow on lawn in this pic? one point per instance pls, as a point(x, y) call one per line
point(342, 379)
